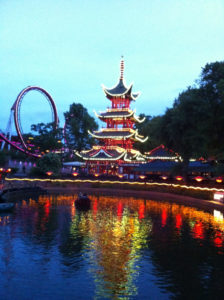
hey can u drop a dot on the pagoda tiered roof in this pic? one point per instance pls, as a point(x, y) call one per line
point(118, 134)
point(121, 90)
point(119, 114)
point(111, 153)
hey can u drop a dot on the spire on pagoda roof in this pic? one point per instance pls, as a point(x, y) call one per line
point(121, 89)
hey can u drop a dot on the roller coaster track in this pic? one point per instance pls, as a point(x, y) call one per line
point(15, 111)
point(18, 148)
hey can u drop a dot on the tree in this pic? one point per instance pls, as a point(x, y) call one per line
point(211, 83)
point(48, 137)
point(151, 127)
point(78, 122)
point(49, 162)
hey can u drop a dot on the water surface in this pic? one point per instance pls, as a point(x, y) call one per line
point(122, 248)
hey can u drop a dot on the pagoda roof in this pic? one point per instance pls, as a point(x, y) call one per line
point(111, 153)
point(121, 89)
point(119, 114)
point(102, 153)
point(162, 153)
point(118, 134)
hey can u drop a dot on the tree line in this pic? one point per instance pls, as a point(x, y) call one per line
point(194, 125)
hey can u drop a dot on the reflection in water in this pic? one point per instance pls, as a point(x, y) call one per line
point(121, 248)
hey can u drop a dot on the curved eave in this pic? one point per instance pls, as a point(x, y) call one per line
point(140, 138)
point(127, 90)
point(112, 137)
point(114, 116)
point(97, 159)
point(137, 119)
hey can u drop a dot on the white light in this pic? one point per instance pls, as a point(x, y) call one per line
point(218, 215)
point(218, 196)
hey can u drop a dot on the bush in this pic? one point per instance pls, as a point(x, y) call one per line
point(49, 162)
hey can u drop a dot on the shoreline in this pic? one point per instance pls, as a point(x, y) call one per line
point(148, 195)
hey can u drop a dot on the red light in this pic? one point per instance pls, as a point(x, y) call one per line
point(8, 170)
point(219, 180)
point(164, 217)
point(75, 174)
point(179, 178)
point(142, 176)
point(141, 211)
point(49, 173)
point(198, 178)
point(178, 221)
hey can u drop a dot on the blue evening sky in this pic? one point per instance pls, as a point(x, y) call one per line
point(71, 47)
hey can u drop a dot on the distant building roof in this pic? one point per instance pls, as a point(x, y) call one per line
point(163, 153)
point(156, 166)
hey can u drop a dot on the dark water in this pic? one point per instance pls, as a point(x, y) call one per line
point(125, 248)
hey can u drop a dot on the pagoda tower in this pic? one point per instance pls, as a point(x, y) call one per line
point(115, 149)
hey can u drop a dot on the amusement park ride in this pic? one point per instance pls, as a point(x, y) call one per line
point(15, 113)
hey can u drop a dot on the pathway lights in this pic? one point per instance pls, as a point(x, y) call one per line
point(164, 177)
point(49, 173)
point(179, 178)
point(142, 177)
point(120, 175)
point(75, 174)
point(96, 174)
point(219, 180)
point(198, 178)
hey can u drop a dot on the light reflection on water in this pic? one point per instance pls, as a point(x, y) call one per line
point(122, 248)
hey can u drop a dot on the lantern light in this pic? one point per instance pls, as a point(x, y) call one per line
point(96, 174)
point(179, 178)
point(49, 173)
point(75, 174)
point(120, 175)
point(142, 176)
point(164, 177)
point(219, 180)
point(198, 178)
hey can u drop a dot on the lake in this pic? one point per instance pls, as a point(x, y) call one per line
point(122, 248)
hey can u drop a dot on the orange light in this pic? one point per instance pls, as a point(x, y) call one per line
point(198, 178)
point(75, 174)
point(49, 173)
point(1, 169)
point(179, 178)
point(164, 177)
point(142, 176)
point(8, 170)
point(120, 175)
point(219, 180)
point(96, 174)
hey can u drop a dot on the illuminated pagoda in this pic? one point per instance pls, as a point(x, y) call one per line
point(115, 149)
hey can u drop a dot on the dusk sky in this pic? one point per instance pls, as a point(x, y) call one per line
point(71, 47)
